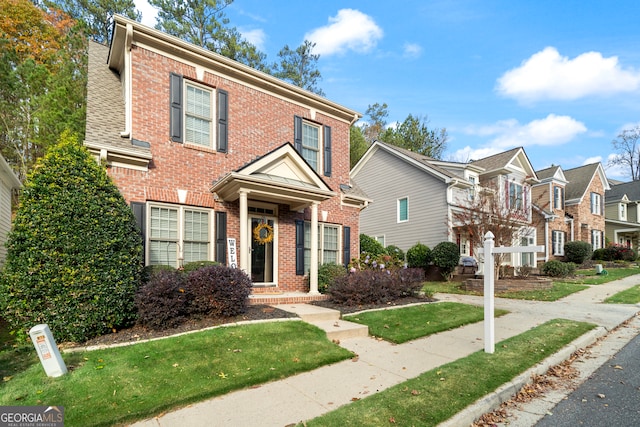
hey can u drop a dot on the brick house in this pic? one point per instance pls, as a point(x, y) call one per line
point(8, 183)
point(571, 205)
point(212, 154)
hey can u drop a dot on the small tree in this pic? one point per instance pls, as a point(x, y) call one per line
point(446, 256)
point(74, 257)
point(627, 149)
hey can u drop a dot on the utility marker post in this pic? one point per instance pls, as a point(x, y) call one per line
point(489, 251)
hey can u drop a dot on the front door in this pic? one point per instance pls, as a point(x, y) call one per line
point(263, 238)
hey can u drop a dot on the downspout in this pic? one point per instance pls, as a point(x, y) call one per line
point(127, 82)
point(546, 240)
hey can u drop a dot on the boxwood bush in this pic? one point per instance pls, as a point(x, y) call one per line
point(74, 256)
point(577, 251)
point(555, 268)
point(446, 255)
point(419, 256)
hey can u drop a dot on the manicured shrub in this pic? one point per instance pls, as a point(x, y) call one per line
point(446, 256)
point(164, 301)
point(614, 252)
point(192, 266)
point(327, 274)
point(150, 270)
point(577, 251)
point(395, 252)
point(74, 257)
point(571, 268)
point(219, 290)
point(555, 268)
point(376, 286)
point(599, 255)
point(419, 256)
point(371, 246)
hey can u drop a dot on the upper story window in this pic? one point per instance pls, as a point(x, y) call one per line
point(403, 209)
point(516, 200)
point(596, 204)
point(623, 211)
point(313, 142)
point(198, 114)
point(472, 190)
point(558, 202)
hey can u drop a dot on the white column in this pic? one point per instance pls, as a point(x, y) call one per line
point(489, 302)
point(245, 242)
point(313, 273)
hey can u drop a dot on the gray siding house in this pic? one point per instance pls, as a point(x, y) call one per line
point(8, 182)
point(622, 214)
point(415, 197)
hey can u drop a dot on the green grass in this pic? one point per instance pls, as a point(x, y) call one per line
point(591, 278)
point(628, 296)
point(437, 395)
point(558, 290)
point(400, 325)
point(117, 385)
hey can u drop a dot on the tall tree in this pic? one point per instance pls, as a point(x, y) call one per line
point(204, 23)
point(377, 115)
point(299, 67)
point(97, 15)
point(357, 145)
point(42, 81)
point(414, 134)
point(627, 147)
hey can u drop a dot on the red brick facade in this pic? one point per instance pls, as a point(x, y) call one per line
point(259, 121)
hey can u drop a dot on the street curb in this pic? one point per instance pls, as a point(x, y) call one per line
point(506, 391)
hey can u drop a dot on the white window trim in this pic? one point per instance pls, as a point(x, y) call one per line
point(557, 196)
point(212, 110)
point(596, 239)
point(559, 250)
point(596, 201)
point(181, 209)
point(398, 210)
point(321, 227)
point(319, 168)
point(622, 211)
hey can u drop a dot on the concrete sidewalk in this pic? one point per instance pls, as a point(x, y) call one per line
point(380, 365)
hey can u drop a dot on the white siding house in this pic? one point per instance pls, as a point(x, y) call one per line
point(8, 182)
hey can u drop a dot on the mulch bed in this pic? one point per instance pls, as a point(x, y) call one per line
point(254, 312)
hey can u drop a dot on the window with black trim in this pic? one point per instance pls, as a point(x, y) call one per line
point(198, 114)
point(313, 142)
point(328, 244)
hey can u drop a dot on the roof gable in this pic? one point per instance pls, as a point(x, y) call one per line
point(580, 180)
point(553, 173)
point(506, 162)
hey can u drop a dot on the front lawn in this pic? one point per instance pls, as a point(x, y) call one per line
point(628, 296)
point(400, 325)
point(116, 385)
point(439, 394)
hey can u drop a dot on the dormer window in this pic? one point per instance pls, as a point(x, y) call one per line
point(558, 198)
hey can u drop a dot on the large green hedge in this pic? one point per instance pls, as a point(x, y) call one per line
point(74, 255)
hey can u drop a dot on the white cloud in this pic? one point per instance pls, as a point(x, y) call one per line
point(149, 12)
point(412, 50)
point(590, 160)
point(547, 75)
point(552, 130)
point(256, 37)
point(349, 30)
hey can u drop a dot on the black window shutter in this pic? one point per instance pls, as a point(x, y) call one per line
point(140, 214)
point(175, 119)
point(221, 237)
point(297, 133)
point(299, 247)
point(327, 151)
point(346, 246)
point(223, 111)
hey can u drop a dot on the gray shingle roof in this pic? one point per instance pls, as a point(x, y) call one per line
point(547, 173)
point(579, 179)
point(425, 160)
point(631, 189)
point(105, 104)
point(497, 161)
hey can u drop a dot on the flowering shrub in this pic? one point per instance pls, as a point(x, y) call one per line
point(613, 252)
point(371, 286)
point(379, 262)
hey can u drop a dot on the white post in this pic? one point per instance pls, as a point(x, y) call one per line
point(313, 273)
point(489, 300)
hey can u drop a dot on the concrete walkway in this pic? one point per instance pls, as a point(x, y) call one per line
point(380, 365)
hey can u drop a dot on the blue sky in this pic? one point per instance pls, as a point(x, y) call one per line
point(560, 78)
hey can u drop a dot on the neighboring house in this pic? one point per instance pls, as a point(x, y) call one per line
point(415, 196)
point(210, 152)
point(622, 214)
point(8, 183)
point(554, 225)
point(585, 201)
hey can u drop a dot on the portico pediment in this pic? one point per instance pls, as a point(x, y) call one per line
point(281, 176)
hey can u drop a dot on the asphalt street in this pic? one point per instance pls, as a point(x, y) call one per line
point(610, 397)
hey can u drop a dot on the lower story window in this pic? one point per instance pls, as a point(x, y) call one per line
point(328, 244)
point(596, 239)
point(178, 235)
point(557, 239)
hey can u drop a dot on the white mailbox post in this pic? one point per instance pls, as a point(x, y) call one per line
point(489, 284)
point(47, 350)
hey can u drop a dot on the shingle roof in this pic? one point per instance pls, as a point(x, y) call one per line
point(631, 189)
point(547, 173)
point(105, 104)
point(425, 160)
point(579, 179)
point(497, 161)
